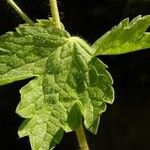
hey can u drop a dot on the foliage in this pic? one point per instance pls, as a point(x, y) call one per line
point(69, 82)
point(124, 38)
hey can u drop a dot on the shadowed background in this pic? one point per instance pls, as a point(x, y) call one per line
point(125, 124)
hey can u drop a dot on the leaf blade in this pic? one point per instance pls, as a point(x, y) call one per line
point(69, 84)
point(124, 38)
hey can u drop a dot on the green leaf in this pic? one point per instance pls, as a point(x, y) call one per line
point(69, 83)
point(124, 38)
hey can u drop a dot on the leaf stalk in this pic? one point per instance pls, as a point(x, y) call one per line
point(82, 138)
point(20, 12)
point(55, 13)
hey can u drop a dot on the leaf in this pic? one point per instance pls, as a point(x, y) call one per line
point(69, 83)
point(124, 38)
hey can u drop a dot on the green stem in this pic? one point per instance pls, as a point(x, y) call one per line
point(55, 13)
point(20, 12)
point(82, 138)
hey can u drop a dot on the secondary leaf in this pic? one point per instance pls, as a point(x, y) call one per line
point(69, 83)
point(124, 38)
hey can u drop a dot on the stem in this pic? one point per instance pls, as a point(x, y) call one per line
point(82, 138)
point(20, 12)
point(55, 13)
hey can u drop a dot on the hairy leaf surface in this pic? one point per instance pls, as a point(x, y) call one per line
point(69, 83)
point(124, 38)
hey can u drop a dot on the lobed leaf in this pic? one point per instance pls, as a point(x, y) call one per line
point(69, 83)
point(124, 38)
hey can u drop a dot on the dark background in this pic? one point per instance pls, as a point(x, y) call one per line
point(126, 124)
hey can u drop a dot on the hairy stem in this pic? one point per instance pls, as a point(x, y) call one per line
point(55, 13)
point(82, 138)
point(20, 12)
